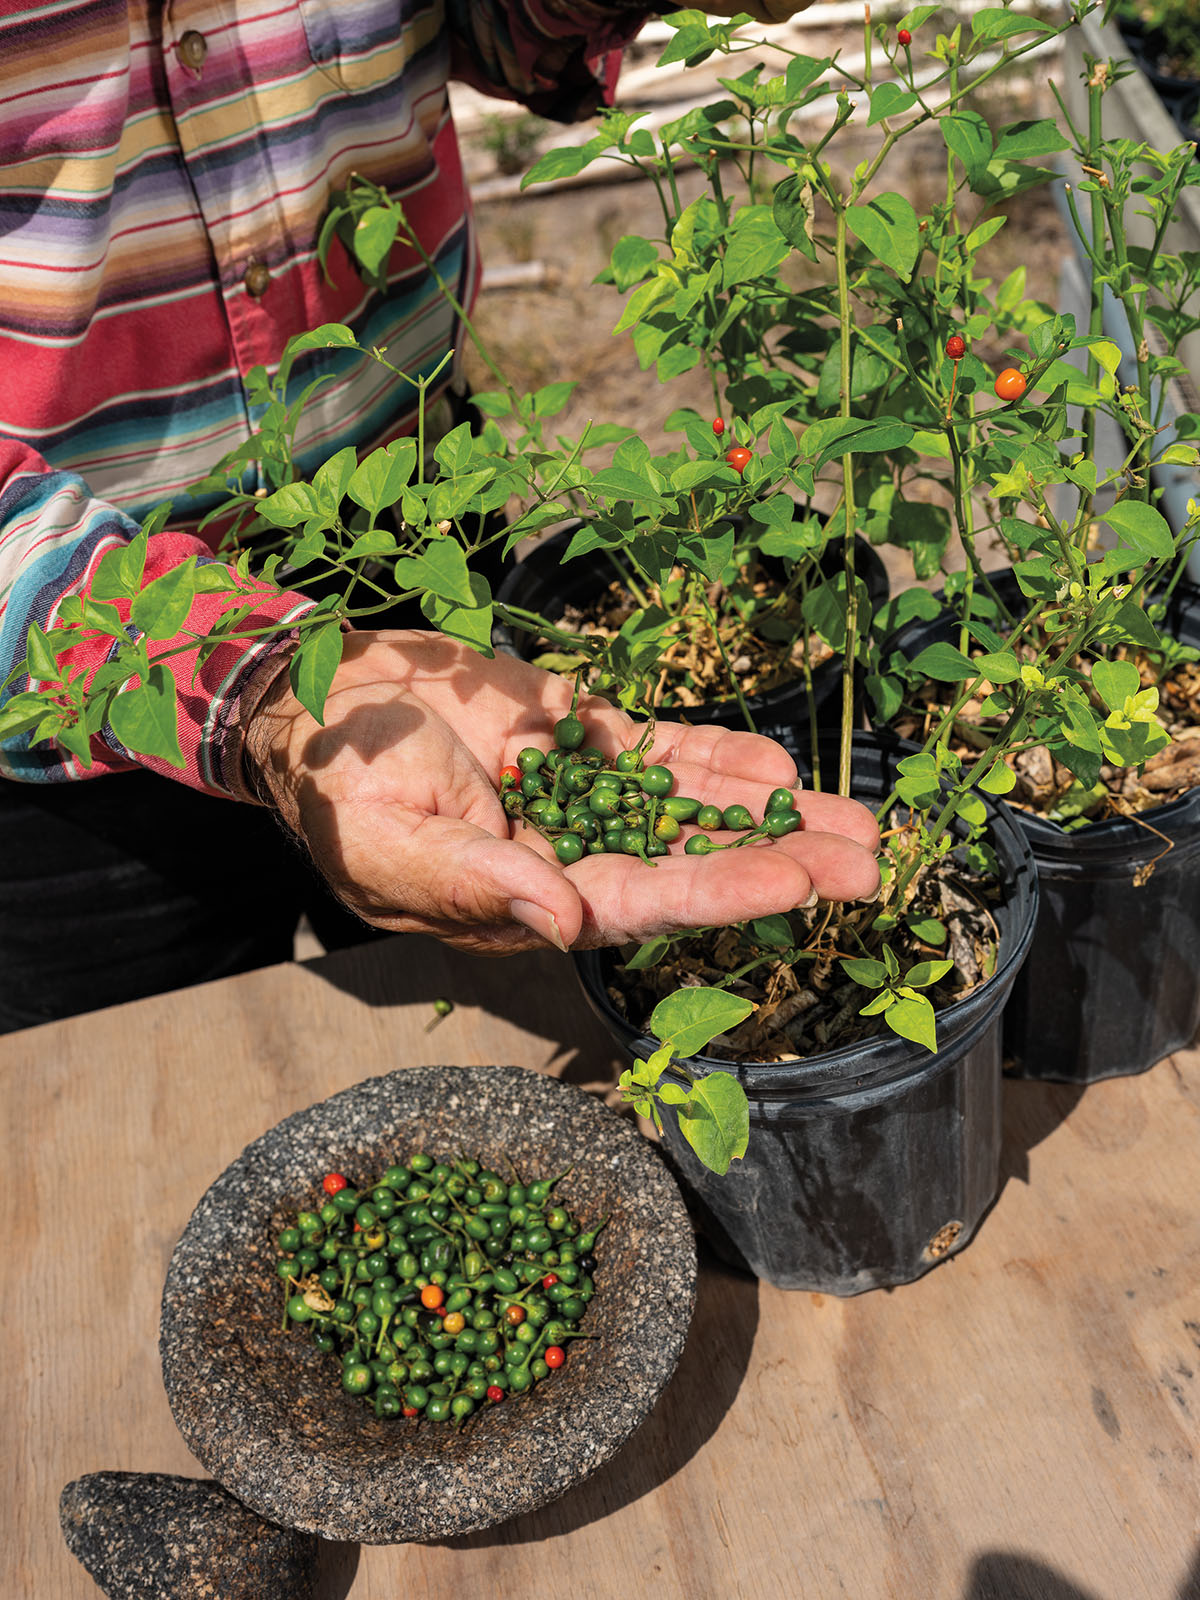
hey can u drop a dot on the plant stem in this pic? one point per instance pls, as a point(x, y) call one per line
point(850, 651)
point(710, 614)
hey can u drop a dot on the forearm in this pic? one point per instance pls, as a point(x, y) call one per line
point(54, 535)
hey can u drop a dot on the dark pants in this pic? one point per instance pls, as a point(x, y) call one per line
point(129, 885)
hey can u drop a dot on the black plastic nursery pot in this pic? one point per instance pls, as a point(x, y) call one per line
point(1111, 985)
point(870, 1164)
point(543, 582)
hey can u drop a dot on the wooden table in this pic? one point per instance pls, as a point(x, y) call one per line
point(1022, 1424)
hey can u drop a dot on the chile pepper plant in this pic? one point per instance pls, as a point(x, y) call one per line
point(840, 330)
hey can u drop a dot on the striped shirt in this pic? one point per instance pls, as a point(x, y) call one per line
point(164, 173)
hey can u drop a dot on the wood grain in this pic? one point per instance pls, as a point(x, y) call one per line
point(1022, 1424)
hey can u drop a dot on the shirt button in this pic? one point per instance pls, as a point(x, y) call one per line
point(193, 48)
point(256, 279)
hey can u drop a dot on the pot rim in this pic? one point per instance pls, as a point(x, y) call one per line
point(768, 701)
point(874, 1062)
point(1120, 839)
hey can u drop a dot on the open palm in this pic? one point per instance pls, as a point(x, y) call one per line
point(396, 799)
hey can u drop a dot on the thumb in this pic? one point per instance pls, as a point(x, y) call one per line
point(445, 876)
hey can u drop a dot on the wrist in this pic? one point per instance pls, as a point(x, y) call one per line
point(266, 723)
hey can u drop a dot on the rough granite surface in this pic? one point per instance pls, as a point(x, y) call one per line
point(264, 1411)
point(147, 1536)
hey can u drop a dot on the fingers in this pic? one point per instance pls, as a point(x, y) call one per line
point(444, 876)
point(623, 898)
point(725, 752)
point(830, 813)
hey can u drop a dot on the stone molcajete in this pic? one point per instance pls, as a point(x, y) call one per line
point(145, 1535)
point(264, 1410)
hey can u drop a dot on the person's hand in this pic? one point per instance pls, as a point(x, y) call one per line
point(767, 11)
point(396, 799)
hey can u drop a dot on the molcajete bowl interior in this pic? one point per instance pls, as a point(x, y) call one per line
point(264, 1410)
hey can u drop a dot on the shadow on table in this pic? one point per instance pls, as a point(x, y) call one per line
point(689, 1412)
point(1004, 1575)
point(535, 990)
point(336, 1566)
point(1189, 1589)
point(1032, 1111)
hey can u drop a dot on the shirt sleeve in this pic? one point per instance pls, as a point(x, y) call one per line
point(558, 57)
point(53, 535)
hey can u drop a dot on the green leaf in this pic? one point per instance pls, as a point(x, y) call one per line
point(289, 506)
point(803, 71)
point(967, 135)
point(552, 398)
point(775, 932)
point(711, 553)
point(1115, 681)
point(1182, 455)
point(378, 480)
point(374, 235)
point(1022, 141)
point(144, 718)
point(374, 542)
point(793, 210)
point(632, 259)
point(912, 1018)
point(972, 810)
point(998, 779)
point(564, 162)
point(74, 735)
point(862, 970)
point(1140, 527)
point(997, 22)
point(22, 712)
point(715, 1121)
point(919, 781)
point(881, 1002)
point(40, 655)
point(690, 1018)
point(647, 955)
point(925, 973)
point(979, 236)
point(930, 930)
point(923, 530)
point(450, 498)
point(842, 436)
point(330, 335)
point(997, 667)
point(441, 568)
point(214, 578)
point(1133, 621)
point(471, 624)
point(119, 574)
point(889, 100)
point(754, 246)
point(616, 483)
point(313, 664)
point(644, 299)
point(155, 521)
point(887, 695)
point(161, 608)
point(332, 478)
point(944, 664)
point(888, 226)
point(1133, 744)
